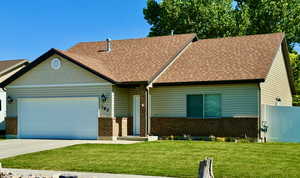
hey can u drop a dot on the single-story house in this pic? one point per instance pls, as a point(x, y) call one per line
point(7, 69)
point(167, 85)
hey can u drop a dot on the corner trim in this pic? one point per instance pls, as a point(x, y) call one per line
point(286, 58)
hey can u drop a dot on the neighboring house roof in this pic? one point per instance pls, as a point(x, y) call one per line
point(10, 67)
point(178, 59)
point(5, 65)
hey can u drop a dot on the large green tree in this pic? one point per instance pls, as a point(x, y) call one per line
point(268, 16)
point(213, 18)
point(220, 18)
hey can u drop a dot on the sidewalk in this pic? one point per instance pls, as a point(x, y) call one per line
point(26, 173)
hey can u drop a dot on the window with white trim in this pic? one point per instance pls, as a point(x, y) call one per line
point(204, 106)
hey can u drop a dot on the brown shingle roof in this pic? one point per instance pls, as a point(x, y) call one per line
point(225, 59)
point(6, 64)
point(87, 61)
point(132, 60)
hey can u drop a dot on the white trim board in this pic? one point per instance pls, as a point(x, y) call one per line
point(59, 85)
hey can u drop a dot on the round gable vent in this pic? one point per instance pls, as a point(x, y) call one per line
point(55, 64)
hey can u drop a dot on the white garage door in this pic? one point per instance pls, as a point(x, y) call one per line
point(58, 118)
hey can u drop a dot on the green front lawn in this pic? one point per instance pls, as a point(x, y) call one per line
point(169, 158)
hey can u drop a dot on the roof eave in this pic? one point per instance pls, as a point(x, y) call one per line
point(132, 83)
point(210, 82)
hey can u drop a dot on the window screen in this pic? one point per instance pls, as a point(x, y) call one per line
point(212, 107)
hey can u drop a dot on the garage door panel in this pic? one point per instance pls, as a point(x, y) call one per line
point(65, 118)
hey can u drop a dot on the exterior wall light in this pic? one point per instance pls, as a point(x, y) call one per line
point(10, 100)
point(103, 98)
point(278, 100)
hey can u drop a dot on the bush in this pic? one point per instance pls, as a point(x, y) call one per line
point(220, 139)
point(230, 139)
point(212, 138)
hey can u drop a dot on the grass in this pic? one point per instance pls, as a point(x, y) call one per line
point(169, 158)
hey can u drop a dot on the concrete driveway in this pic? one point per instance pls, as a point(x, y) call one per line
point(14, 147)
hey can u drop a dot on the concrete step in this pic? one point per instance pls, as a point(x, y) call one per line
point(138, 138)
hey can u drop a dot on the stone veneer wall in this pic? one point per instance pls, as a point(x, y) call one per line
point(223, 127)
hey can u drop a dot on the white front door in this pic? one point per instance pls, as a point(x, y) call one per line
point(58, 118)
point(136, 115)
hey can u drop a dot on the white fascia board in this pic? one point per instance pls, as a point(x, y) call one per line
point(59, 85)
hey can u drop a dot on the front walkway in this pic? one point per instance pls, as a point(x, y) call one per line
point(55, 174)
point(14, 147)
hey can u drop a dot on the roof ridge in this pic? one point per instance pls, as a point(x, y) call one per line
point(175, 35)
point(242, 36)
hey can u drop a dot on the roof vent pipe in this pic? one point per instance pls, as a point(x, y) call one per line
point(172, 32)
point(108, 44)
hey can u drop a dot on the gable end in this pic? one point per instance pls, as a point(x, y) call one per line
point(46, 56)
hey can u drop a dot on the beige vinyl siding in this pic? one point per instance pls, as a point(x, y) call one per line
point(277, 83)
point(121, 100)
point(31, 84)
point(45, 92)
point(68, 73)
point(237, 100)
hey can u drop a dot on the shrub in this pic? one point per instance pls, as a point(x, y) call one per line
point(220, 139)
point(230, 139)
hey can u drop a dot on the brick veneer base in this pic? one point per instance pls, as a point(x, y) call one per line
point(130, 126)
point(223, 127)
point(108, 127)
point(112, 127)
point(11, 126)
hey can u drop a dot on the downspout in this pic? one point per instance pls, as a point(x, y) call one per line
point(148, 117)
point(259, 112)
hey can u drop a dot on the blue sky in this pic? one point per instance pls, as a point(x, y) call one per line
point(28, 28)
point(297, 48)
point(31, 27)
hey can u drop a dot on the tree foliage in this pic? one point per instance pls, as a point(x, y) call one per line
point(208, 19)
point(268, 16)
point(295, 65)
point(221, 18)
